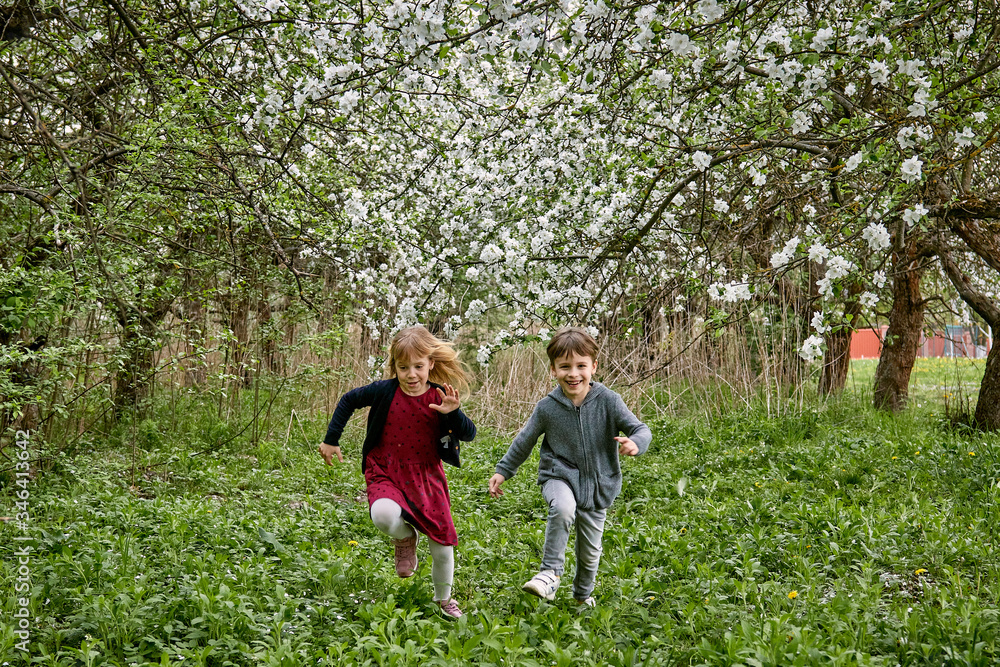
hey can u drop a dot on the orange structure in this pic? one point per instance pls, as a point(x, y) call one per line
point(970, 342)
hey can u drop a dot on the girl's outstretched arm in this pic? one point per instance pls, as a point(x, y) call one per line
point(348, 403)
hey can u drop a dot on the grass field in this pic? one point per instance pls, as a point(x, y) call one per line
point(837, 536)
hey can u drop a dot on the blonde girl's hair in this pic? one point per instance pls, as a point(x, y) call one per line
point(417, 342)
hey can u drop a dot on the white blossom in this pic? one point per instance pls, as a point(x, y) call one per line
point(800, 122)
point(491, 254)
point(965, 137)
point(483, 355)
point(475, 310)
point(822, 39)
point(853, 162)
point(680, 44)
point(838, 267)
point(812, 348)
point(904, 137)
point(818, 324)
point(913, 215)
point(734, 292)
point(710, 10)
point(912, 169)
point(868, 299)
point(702, 160)
point(780, 259)
point(818, 252)
point(877, 237)
point(879, 72)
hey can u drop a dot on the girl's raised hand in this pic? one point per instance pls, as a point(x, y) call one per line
point(449, 400)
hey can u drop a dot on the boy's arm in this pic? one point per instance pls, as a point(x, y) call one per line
point(630, 425)
point(522, 445)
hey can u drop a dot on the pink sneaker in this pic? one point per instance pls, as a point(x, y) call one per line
point(406, 556)
point(450, 609)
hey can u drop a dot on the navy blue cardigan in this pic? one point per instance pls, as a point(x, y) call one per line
point(379, 395)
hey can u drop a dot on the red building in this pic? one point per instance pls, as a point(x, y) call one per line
point(971, 342)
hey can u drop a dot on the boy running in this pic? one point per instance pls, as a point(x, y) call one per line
point(578, 470)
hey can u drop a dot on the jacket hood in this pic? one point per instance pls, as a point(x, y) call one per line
point(596, 389)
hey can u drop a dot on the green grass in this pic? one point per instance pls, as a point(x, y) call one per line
point(835, 536)
point(935, 381)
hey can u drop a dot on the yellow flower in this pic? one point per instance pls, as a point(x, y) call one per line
point(793, 594)
point(352, 543)
point(894, 458)
point(919, 571)
point(972, 453)
point(917, 453)
point(651, 597)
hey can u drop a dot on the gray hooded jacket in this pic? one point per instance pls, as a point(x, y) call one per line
point(579, 446)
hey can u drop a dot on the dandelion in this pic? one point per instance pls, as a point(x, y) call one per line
point(792, 595)
point(919, 571)
point(352, 543)
point(917, 453)
point(894, 458)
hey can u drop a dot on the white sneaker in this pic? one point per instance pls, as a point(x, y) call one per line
point(589, 602)
point(544, 584)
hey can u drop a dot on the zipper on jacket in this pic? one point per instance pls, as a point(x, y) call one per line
point(584, 463)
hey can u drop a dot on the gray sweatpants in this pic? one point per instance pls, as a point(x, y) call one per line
point(589, 530)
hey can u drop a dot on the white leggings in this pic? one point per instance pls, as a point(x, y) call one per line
point(387, 516)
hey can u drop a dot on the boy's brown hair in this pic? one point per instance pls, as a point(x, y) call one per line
point(571, 339)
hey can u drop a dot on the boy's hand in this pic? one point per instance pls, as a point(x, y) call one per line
point(625, 446)
point(495, 482)
point(449, 400)
point(328, 452)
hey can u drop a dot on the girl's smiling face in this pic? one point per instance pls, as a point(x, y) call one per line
point(412, 374)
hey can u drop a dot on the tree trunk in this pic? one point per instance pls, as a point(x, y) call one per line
point(239, 343)
point(902, 339)
point(134, 377)
point(837, 358)
point(988, 405)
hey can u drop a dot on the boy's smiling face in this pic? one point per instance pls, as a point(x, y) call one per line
point(573, 372)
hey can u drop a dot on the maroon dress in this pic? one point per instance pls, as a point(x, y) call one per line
point(406, 468)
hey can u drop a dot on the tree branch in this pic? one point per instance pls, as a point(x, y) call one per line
point(978, 301)
point(36, 197)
